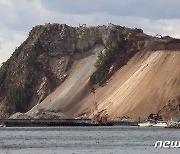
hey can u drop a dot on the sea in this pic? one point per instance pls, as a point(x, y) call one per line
point(86, 140)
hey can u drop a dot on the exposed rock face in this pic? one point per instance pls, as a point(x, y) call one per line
point(49, 73)
point(44, 60)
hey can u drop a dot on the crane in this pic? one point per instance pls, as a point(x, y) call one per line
point(94, 98)
point(97, 115)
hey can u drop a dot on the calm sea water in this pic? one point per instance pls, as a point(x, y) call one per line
point(88, 140)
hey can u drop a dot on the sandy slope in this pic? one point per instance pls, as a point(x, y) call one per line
point(140, 88)
point(148, 82)
point(74, 87)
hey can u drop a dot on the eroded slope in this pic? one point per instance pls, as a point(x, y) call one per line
point(147, 84)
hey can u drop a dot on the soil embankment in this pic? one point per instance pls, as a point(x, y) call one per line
point(145, 85)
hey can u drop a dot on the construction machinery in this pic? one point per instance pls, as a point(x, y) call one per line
point(99, 117)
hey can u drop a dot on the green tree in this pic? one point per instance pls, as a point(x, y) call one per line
point(17, 97)
point(106, 59)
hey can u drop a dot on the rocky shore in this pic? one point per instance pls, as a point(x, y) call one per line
point(173, 125)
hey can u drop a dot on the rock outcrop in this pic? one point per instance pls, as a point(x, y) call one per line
point(44, 61)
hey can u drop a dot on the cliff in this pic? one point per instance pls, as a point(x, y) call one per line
point(51, 74)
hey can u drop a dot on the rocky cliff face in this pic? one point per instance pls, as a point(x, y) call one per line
point(49, 73)
point(44, 60)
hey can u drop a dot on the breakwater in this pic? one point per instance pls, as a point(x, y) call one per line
point(173, 125)
point(43, 122)
point(50, 122)
point(61, 122)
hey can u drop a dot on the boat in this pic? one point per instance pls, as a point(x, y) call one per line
point(160, 124)
point(144, 124)
point(153, 124)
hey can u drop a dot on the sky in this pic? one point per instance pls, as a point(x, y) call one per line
point(17, 17)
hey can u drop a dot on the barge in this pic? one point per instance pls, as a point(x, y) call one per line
point(50, 122)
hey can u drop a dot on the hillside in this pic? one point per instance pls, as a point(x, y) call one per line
point(147, 84)
point(51, 74)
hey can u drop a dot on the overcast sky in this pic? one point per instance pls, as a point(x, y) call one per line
point(17, 17)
